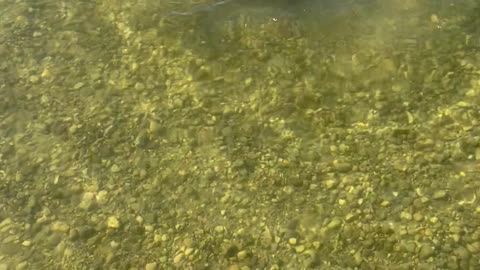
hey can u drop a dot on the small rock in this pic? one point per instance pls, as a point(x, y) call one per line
point(101, 197)
point(78, 85)
point(241, 255)
point(188, 242)
point(300, 248)
point(335, 223)
point(406, 215)
point(178, 258)
point(267, 237)
point(418, 216)
point(154, 127)
point(114, 244)
point(73, 234)
point(439, 194)
point(188, 251)
point(87, 200)
point(462, 253)
point(26, 243)
point(292, 241)
point(113, 223)
point(44, 99)
point(151, 266)
point(410, 246)
point(474, 247)
point(59, 226)
point(21, 266)
point(455, 229)
point(46, 73)
point(219, 229)
point(139, 86)
point(426, 251)
point(164, 237)
point(5, 225)
point(357, 258)
point(342, 166)
point(141, 140)
point(115, 168)
point(34, 79)
point(54, 239)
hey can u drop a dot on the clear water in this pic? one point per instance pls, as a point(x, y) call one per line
point(242, 134)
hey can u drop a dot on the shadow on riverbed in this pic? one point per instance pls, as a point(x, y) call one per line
point(235, 24)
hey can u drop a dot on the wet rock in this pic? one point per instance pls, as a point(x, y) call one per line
point(113, 222)
point(426, 251)
point(151, 266)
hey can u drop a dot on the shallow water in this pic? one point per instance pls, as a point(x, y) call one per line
point(313, 134)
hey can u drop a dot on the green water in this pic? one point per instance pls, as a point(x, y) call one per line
point(315, 134)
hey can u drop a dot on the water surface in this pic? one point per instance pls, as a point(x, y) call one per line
point(312, 134)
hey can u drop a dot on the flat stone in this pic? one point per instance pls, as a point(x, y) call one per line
point(88, 200)
point(78, 85)
point(439, 194)
point(60, 226)
point(178, 258)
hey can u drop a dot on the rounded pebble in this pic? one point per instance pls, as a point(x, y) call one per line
point(115, 168)
point(300, 248)
point(151, 266)
point(241, 255)
point(426, 251)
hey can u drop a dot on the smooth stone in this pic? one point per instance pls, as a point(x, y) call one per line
point(426, 251)
point(115, 168)
point(151, 266)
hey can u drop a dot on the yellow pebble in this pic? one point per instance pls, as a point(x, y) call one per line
point(112, 222)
